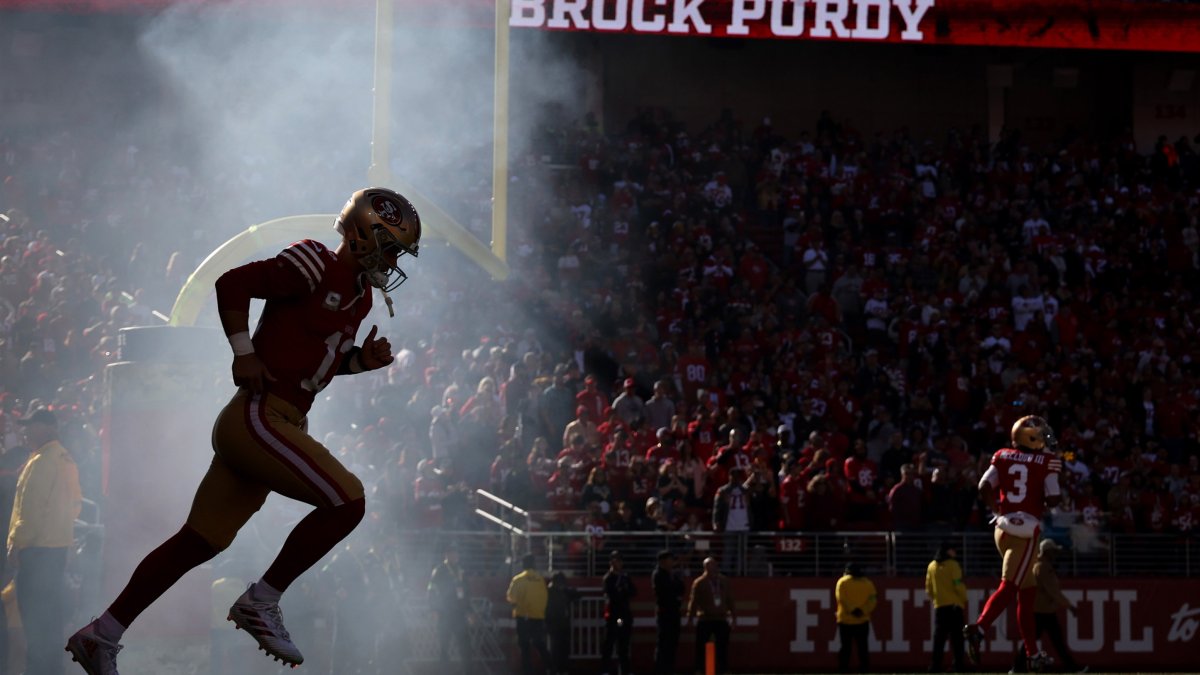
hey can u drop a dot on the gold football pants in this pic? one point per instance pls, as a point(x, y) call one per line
point(260, 446)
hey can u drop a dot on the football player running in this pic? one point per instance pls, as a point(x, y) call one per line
point(315, 301)
point(1019, 484)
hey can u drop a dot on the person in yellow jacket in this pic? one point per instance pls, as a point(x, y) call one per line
point(527, 594)
point(948, 594)
point(855, 595)
point(40, 533)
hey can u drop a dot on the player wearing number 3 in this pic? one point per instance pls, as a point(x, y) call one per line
point(1019, 484)
point(315, 301)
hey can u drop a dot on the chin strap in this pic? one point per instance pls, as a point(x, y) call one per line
point(388, 299)
point(366, 286)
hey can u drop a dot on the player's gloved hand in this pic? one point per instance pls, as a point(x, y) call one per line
point(857, 612)
point(375, 353)
point(249, 372)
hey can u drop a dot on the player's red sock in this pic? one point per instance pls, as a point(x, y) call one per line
point(312, 538)
point(996, 603)
point(159, 570)
point(1026, 620)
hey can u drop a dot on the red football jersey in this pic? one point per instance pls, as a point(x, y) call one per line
point(594, 400)
point(1025, 479)
point(661, 453)
point(693, 374)
point(313, 310)
point(860, 473)
point(792, 495)
point(704, 438)
point(562, 492)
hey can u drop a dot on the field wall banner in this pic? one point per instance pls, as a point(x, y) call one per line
point(788, 624)
point(1075, 24)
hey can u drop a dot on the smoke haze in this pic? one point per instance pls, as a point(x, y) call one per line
point(270, 114)
point(249, 113)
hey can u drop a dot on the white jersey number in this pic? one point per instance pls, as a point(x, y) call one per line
point(334, 344)
point(1020, 474)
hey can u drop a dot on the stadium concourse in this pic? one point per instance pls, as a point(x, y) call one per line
point(822, 311)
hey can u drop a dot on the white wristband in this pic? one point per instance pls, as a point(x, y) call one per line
point(241, 343)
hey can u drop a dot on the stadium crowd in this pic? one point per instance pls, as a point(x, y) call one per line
point(715, 329)
point(731, 330)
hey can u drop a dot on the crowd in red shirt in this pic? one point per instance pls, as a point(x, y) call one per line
point(827, 332)
point(850, 333)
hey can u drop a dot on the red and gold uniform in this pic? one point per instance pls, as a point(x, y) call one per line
point(315, 301)
point(313, 311)
point(1024, 480)
point(1018, 485)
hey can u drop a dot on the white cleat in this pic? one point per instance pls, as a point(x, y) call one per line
point(264, 622)
point(97, 655)
point(1040, 662)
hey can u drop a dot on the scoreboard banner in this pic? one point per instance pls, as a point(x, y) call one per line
point(1145, 25)
point(1074, 24)
point(788, 624)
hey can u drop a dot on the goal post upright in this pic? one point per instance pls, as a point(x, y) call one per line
point(500, 135)
point(380, 170)
point(197, 290)
point(435, 218)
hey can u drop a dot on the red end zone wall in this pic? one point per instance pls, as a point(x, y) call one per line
point(788, 625)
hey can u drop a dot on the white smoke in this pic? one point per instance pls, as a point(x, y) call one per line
point(267, 110)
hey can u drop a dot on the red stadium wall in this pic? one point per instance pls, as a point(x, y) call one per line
point(788, 625)
point(877, 88)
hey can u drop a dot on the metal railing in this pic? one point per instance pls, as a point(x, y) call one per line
point(781, 554)
point(502, 513)
point(497, 550)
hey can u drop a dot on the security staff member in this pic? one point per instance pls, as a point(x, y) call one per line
point(712, 601)
point(618, 614)
point(855, 601)
point(558, 622)
point(946, 590)
point(40, 533)
point(527, 594)
point(668, 598)
point(450, 604)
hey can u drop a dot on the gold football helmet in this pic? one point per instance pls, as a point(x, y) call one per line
point(1032, 433)
point(379, 225)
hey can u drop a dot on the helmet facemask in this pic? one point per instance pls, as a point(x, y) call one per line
point(381, 273)
point(380, 226)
